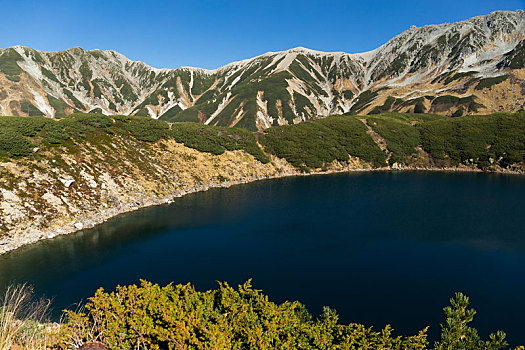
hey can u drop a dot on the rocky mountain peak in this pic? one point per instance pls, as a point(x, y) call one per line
point(290, 86)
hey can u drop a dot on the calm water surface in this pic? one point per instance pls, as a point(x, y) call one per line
point(378, 247)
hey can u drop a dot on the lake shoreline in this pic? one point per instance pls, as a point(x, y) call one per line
point(33, 236)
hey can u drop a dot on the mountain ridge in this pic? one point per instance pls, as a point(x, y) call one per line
point(297, 48)
point(409, 73)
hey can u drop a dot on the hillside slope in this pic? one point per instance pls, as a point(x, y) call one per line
point(59, 176)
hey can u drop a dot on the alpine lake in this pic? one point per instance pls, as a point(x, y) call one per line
point(379, 247)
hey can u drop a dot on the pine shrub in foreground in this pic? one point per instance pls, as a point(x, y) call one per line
point(179, 317)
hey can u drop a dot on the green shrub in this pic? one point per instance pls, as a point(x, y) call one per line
point(30, 109)
point(95, 120)
point(318, 143)
point(15, 78)
point(419, 107)
point(500, 137)
point(179, 317)
point(401, 136)
point(443, 103)
point(458, 112)
point(347, 94)
point(216, 140)
point(72, 98)
point(514, 59)
point(445, 100)
point(97, 110)
point(458, 335)
point(58, 106)
point(458, 76)
point(488, 82)
point(387, 105)
point(497, 139)
point(149, 130)
point(362, 101)
point(26, 126)
point(83, 126)
point(54, 134)
point(169, 114)
point(9, 65)
point(14, 144)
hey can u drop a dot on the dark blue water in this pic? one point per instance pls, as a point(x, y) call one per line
point(380, 248)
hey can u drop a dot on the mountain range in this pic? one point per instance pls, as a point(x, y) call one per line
point(470, 67)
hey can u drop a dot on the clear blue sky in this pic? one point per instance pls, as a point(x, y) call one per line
point(210, 34)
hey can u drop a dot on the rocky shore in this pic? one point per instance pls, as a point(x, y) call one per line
point(62, 194)
point(21, 236)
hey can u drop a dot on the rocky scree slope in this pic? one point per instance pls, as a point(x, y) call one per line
point(473, 66)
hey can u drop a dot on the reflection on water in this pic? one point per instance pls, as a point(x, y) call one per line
point(379, 247)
